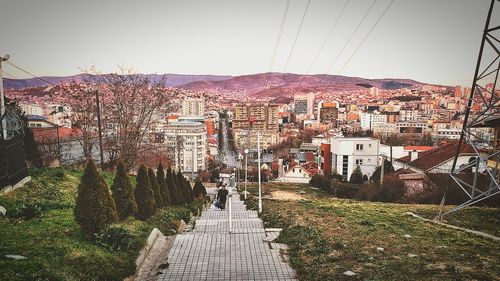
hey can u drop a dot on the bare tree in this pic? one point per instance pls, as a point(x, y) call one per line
point(81, 99)
point(128, 102)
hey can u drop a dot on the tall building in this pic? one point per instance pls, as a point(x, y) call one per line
point(188, 145)
point(328, 113)
point(256, 117)
point(458, 92)
point(250, 118)
point(193, 107)
point(304, 104)
point(371, 120)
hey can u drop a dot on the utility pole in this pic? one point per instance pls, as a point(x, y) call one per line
point(99, 127)
point(382, 171)
point(2, 99)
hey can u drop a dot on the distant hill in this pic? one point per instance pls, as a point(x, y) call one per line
point(278, 84)
point(288, 82)
point(172, 80)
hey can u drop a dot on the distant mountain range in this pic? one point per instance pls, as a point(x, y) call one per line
point(277, 83)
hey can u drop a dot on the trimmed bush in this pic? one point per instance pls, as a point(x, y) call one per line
point(356, 176)
point(144, 195)
point(162, 182)
point(123, 193)
point(95, 208)
point(173, 191)
point(156, 188)
point(186, 191)
point(199, 190)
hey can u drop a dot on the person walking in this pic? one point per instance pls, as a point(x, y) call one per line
point(221, 197)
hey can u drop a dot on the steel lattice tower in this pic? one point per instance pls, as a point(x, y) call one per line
point(482, 117)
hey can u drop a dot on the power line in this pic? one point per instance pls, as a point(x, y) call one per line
point(320, 50)
point(327, 38)
point(296, 36)
point(366, 36)
point(352, 36)
point(5, 72)
point(280, 33)
point(29, 73)
point(348, 41)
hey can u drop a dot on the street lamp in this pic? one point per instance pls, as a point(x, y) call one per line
point(246, 171)
point(2, 98)
point(258, 166)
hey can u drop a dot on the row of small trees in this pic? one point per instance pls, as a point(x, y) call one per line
point(96, 207)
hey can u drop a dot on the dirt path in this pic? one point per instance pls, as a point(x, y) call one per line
point(286, 195)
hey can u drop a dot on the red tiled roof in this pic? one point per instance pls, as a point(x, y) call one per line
point(429, 159)
point(309, 157)
point(418, 148)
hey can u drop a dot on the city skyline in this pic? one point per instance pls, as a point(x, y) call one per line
point(438, 45)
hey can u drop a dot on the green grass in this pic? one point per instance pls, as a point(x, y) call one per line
point(52, 241)
point(327, 236)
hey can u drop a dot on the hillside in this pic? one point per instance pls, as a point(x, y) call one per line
point(287, 83)
point(40, 226)
point(378, 241)
point(171, 80)
point(252, 83)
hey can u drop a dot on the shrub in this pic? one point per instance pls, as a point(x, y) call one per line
point(95, 208)
point(123, 192)
point(173, 191)
point(144, 196)
point(162, 182)
point(25, 211)
point(344, 190)
point(181, 185)
point(321, 182)
point(393, 190)
point(387, 169)
point(115, 238)
point(156, 188)
point(199, 190)
point(356, 176)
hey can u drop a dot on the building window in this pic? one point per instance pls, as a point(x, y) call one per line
point(359, 162)
point(359, 146)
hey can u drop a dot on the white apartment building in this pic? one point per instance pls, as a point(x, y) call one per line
point(193, 107)
point(32, 109)
point(188, 145)
point(408, 115)
point(304, 104)
point(372, 120)
point(451, 134)
point(348, 153)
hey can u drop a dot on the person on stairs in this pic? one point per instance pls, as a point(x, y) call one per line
point(221, 197)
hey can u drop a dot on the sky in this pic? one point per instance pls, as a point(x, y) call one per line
point(432, 41)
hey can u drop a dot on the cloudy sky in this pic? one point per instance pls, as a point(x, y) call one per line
point(433, 41)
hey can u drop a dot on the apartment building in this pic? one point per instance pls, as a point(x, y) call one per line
point(188, 145)
point(193, 107)
point(348, 153)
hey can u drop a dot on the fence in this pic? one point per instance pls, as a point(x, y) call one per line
point(13, 167)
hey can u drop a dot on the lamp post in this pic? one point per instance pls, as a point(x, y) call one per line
point(258, 167)
point(246, 171)
point(2, 98)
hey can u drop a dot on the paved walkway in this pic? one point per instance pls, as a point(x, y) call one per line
point(210, 252)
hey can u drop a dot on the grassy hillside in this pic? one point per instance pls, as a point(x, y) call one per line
point(40, 226)
point(328, 236)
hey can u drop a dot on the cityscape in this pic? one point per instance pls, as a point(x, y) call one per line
point(124, 173)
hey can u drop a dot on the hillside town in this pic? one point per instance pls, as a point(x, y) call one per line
point(324, 133)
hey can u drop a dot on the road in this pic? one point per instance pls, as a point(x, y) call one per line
point(229, 155)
